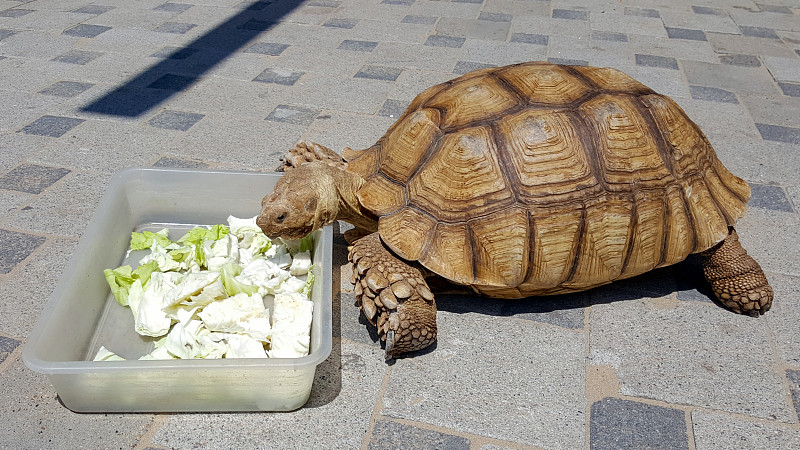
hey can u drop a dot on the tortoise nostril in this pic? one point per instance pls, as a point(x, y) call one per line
point(280, 218)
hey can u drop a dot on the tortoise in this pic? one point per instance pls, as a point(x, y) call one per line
point(525, 180)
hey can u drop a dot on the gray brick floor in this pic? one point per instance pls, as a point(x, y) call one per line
point(90, 88)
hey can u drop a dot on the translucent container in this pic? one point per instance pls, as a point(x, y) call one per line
point(81, 314)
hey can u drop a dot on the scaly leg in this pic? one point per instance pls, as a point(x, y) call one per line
point(393, 296)
point(736, 278)
point(307, 151)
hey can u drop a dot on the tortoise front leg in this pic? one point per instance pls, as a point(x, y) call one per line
point(307, 151)
point(393, 296)
point(736, 278)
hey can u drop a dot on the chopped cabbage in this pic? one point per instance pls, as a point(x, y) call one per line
point(202, 296)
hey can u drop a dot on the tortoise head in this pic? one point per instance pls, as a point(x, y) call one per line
point(304, 199)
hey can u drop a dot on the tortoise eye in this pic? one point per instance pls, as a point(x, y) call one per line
point(280, 218)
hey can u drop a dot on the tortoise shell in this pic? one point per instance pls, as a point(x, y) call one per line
point(538, 179)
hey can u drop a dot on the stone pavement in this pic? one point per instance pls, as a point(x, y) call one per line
point(88, 88)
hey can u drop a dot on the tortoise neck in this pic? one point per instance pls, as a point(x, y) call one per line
point(350, 209)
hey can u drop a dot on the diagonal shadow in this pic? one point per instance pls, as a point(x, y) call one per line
point(184, 66)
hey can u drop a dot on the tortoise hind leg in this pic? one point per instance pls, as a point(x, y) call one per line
point(393, 296)
point(307, 151)
point(736, 278)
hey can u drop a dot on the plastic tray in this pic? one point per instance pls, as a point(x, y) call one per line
point(81, 314)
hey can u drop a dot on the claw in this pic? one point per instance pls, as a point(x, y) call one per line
point(389, 344)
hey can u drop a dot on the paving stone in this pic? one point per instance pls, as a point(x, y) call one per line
point(468, 1)
point(286, 77)
point(568, 62)
point(175, 120)
point(740, 60)
point(527, 38)
point(168, 161)
point(398, 2)
point(357, 46)
point(411, 82)
point(87, 31)
point(747, 45)
point(252, 5)
point(689, 353)
point(609, 36)
point(7, 345)
point(178, 53)
point(52, 126)
point(267, 48)
point(618, 23)
point(6, 34)
point(337, 130)
point(719, 431)
point(425, 20)
point(641, 12)
point(683, 33)
point(66, 88)
point(175, 27)
point(173, 7)
point(790, 89)
point(794, 383)
point(783, 69)
point(779, 133)
point(340, 23)
point(463, 67)
point(16, 247)
point(759, 32)
point(379, 73)
point(475, 29)
point(709, 11)
point(93, 9)
point(499, 53)
point(390, 31)
point(570, 14)
point(340, 407)
point(549, 395)
point(391, 435)
point(565, 311)
point(445, 41)
point(769, 197)
point(79, 57)
point(773, 109)
point(625, 424)
point(678, 18)
point(779, 9)
point(495, 17)
point(393, 108)
point(17, 12)
point(325, 3)
point(293, 114)
point(782, 319)
point(656, 61)
point(31, 178)
point(712, 94)
point(257, 25)
point(733, 78)
point(172, 82)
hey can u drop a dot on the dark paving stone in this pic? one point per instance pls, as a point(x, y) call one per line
point(341, 23)
point(609, 36)
point(168, 161)
point(15, 247)
point(94, 9)
point(478, 2)
point(463, 67)
point(252, 5)
point(690, 283)
point(267, 48)
point(31, 178)
point(562, 310)
point(758, 32)
point(794, 381)
point(740, 60)
point(769, 197)
point(7, 345)
point(80, 57)
point(6, 33)
point(257, 25)
point(173, 7)
point(172, 82)
point(325, 3)
point(526, 38)
point(51, 126)
point(445, 41)
point(87, 31)
point(398, 2)
point(379, 73)
point(393, 108)
point(712, 94)
point(15, 12)
point(656, 61)
point(568, 62)
point(284, 77)
point(175, 120)
point(175, 53)
point(66, 88)
point(790, 89)
point(174, 27)
point(424, 20)
point(495, 17)
point(642, 12)
point(357, 46)
point(778, 133)
point(293, 114)
point(685, 33)
point(623, 424)
point(778, 9)
point(392, 435)
point(570, 14)
point(709, 11)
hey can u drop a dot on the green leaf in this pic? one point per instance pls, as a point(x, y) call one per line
point(144, 240)
point(144, 271)
point(120, 280)
point(232, 285)
point(309, 282)
point(217, 232)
